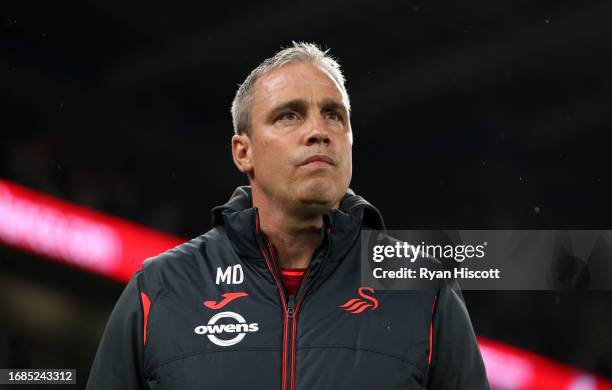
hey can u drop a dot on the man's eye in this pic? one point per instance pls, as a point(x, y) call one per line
point(288, 116)
point(333, 115)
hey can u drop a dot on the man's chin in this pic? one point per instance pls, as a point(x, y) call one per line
point(320, 199)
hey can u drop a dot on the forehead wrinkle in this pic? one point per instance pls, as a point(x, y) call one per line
point(271, 85)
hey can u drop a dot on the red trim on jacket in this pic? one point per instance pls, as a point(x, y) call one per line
point(146, 305)
point(433, 309)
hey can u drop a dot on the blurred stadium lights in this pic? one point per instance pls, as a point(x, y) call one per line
point(115, 248)
point(513, 368)
point(75, 235)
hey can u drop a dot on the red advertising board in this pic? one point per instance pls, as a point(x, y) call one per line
point(76, 235)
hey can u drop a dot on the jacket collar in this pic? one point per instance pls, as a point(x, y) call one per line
point(239, 219)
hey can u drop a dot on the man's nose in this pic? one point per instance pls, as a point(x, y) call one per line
point(318, 133)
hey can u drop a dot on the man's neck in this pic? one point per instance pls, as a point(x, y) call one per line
point(295, 235)
point(295, 238)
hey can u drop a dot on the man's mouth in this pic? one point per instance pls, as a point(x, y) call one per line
point(319, 159)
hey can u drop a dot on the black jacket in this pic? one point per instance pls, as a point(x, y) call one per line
point(212, 314)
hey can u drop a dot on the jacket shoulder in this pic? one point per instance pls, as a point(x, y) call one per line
point(185, 260)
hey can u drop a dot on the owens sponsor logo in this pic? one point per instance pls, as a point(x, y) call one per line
point(240, 329)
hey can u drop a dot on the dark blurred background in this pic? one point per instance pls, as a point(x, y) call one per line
point(465, 115)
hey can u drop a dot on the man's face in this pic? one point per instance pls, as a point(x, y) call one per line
point(301, 138)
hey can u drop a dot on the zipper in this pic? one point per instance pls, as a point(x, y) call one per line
point(294, 313)
point(281, 292)
point(290, 307)
point(290, 352)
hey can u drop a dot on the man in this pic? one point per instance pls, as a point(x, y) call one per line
point(270, 298)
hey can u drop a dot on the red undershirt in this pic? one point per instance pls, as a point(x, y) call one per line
point(292, 277)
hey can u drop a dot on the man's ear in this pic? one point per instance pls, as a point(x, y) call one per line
point(242, 153)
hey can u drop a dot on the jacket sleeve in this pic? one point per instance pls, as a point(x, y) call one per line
point(119, 361)
point(456, 362)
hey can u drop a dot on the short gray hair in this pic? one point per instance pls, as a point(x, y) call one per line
point(300, 52)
